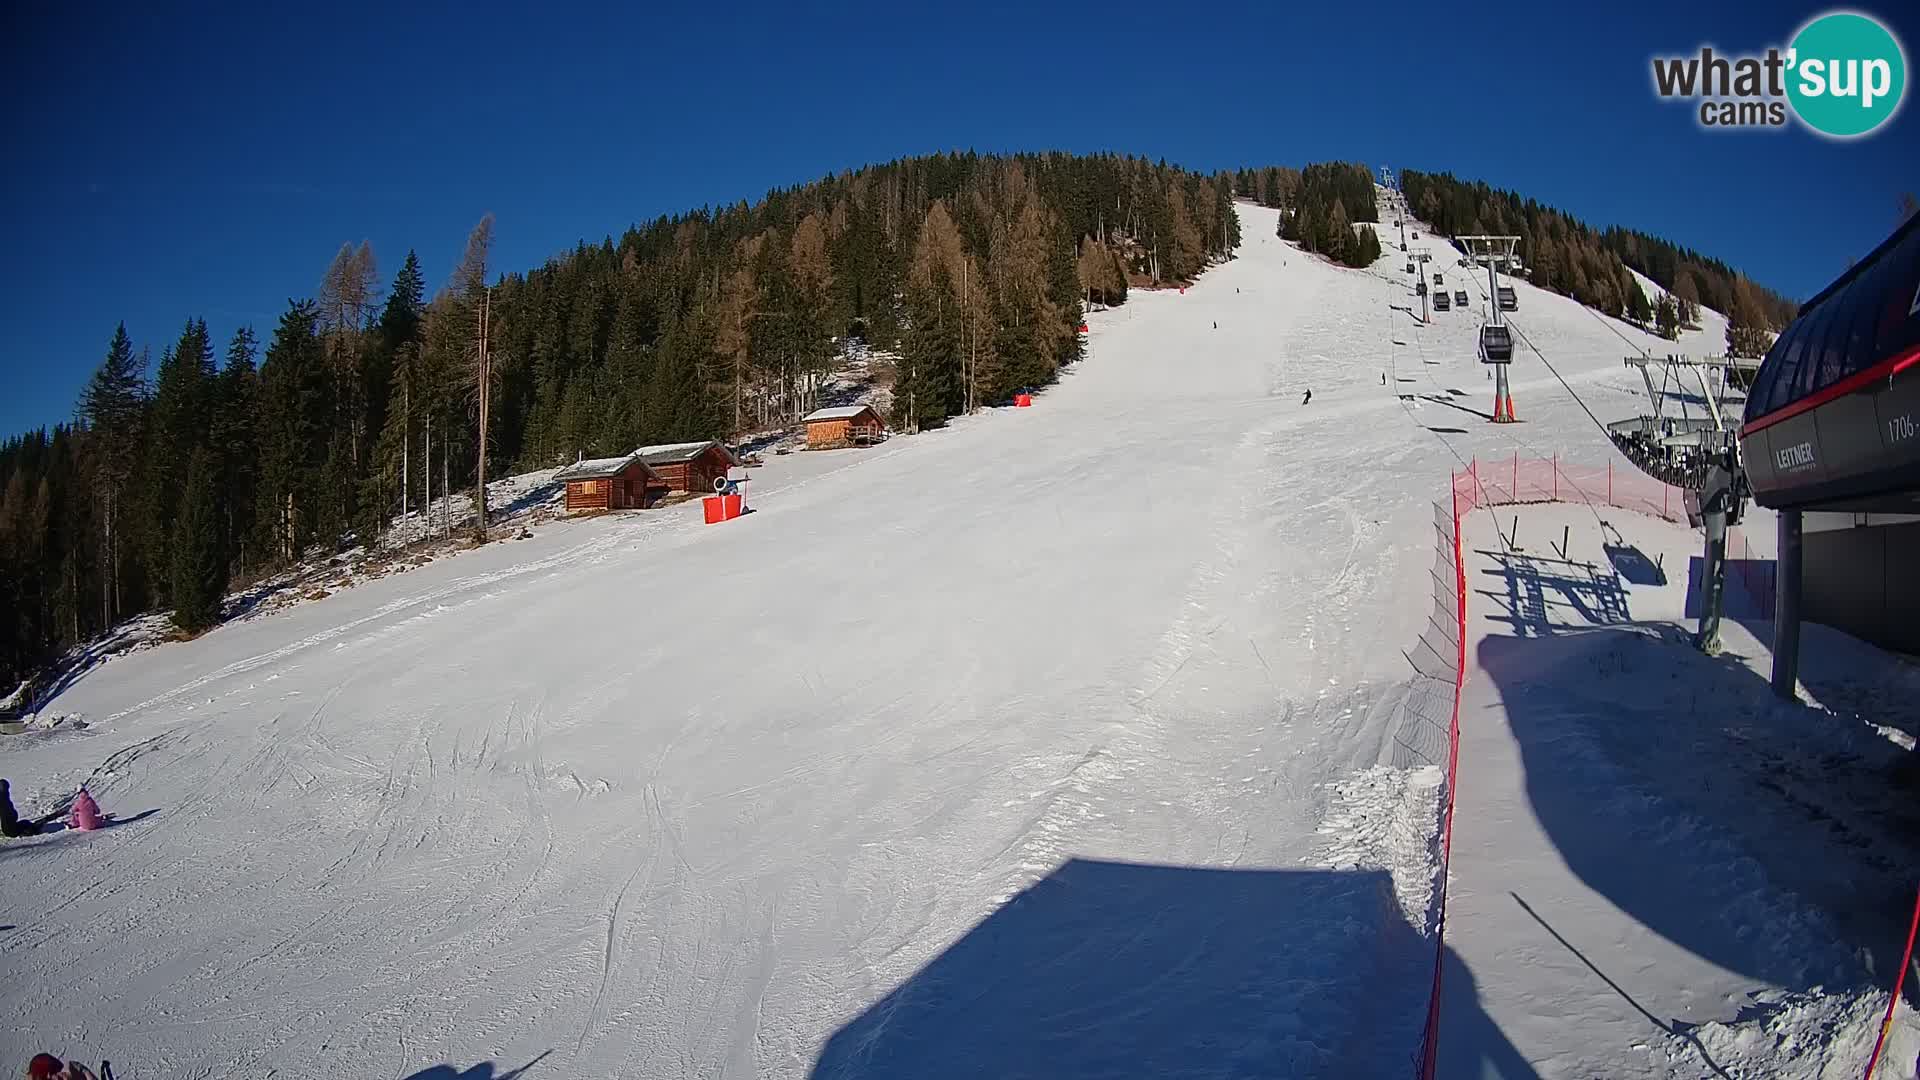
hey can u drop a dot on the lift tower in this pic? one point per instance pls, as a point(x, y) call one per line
point(1498, 251)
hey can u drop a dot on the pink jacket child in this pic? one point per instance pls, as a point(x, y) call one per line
point(85, 813)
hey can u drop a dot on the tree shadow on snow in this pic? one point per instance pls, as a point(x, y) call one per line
point(482, 1071)
point(1118, 969)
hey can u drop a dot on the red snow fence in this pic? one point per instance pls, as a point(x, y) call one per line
point(721, 508)
point(1429, 728)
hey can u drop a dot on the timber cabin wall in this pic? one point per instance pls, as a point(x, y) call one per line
point(708, 467)
point(824, 433)
point(589, 494)
point(697, 475)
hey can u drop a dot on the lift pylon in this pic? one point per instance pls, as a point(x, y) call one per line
point(1497, 251)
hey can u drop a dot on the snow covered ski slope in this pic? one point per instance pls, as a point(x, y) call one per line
point(1008, 746)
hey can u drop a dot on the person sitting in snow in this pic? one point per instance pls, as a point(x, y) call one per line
point(85, 814)
point(10, 822)
point(48, 1067)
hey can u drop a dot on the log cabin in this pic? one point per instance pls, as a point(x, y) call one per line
point(689, 466)
point(622, 483)
point(848, 425)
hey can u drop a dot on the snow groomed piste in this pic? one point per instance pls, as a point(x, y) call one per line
point(1060, 741)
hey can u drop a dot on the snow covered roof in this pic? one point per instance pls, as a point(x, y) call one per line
point(674, 453)
point(843, 412)
point(596, 468)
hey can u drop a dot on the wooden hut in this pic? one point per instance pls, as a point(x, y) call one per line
point(689, 466)
point(848, 425)
point(622, 483)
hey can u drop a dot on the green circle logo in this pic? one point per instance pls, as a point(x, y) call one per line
point(1846, 74)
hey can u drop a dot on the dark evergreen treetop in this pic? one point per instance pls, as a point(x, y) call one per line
point(1570, 256)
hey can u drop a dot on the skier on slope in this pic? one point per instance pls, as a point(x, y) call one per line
point(1308, 398)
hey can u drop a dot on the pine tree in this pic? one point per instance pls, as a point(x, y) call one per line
point(181, 418)
point(199, 568)
point(1687, 296)
point(1638, 309)
point(113, 407)
point(1338, 235)
point(1747, 333)
point(1666, 317)
point(235, 441)
point(296, 413)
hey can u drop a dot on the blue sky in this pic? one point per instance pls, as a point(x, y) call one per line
point(163, 166)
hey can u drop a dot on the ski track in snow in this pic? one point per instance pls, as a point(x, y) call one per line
point(657, 799)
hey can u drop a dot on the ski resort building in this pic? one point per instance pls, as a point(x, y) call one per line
point(1829, 441)
point(620, 483)
point(688, 466)
point(849, 425)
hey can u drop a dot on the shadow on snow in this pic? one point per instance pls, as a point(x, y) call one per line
point(1116, 969)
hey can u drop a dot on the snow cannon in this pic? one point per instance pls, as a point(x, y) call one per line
point(728, 500)
point(1023, 400)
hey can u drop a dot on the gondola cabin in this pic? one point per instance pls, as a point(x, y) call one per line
point(1831, 439)
point(1440, 302)
point(850, 425)
point(1496, 344)
point(1460, 298)
point(1509, 300)
point(1833, 416)
point(622, 483)
point(689, 466)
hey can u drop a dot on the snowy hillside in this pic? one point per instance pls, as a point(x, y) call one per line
point(1055, 741)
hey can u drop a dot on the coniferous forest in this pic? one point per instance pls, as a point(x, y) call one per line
point(182, 477)
point(1590, 265)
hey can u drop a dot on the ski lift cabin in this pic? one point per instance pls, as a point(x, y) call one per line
point(1496, 344)
point(1460, 298)
point(1831, 440)
point(1831, 418)
point(1440, 301)
point(1509, 300)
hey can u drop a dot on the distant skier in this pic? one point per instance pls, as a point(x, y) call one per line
point(1308, 398)
point(10, 823)
point(1383, 378)
point(1216, 326)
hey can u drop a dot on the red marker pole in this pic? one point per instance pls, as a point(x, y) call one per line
point(1898, 980)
